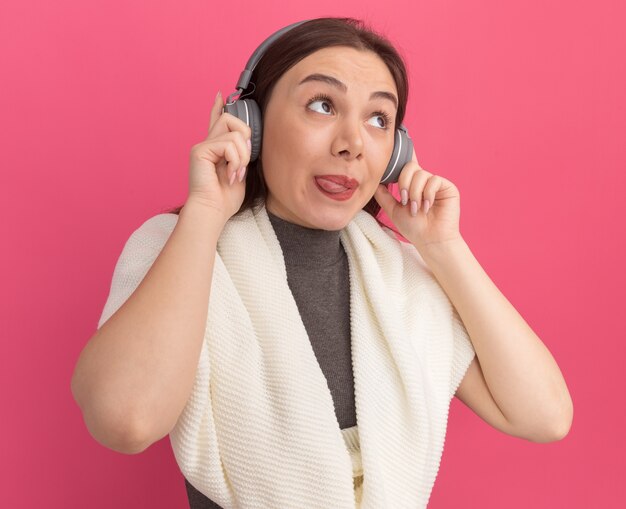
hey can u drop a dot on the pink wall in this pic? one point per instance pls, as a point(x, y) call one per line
point(521, 105)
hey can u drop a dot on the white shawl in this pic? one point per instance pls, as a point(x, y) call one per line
point(259, 429)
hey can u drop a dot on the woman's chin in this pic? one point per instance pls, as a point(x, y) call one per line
point(335, 221)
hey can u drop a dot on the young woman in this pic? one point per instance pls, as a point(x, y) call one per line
point(295, 351)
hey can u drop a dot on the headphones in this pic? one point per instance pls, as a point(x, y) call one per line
point(248, 111)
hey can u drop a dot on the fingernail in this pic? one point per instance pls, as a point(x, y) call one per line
point(405, 196)
point(413, 208)
point(242, 172)
point(426, 206)
point(219, 94)
point(232, 177)
point(249, 144)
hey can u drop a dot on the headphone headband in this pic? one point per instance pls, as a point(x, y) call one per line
point(246, 74)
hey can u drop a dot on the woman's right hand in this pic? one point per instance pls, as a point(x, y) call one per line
point(217, 158)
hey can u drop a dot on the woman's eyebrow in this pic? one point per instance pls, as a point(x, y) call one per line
point(341, 86)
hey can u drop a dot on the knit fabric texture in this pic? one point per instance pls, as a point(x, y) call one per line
point(259, 428)
point(318, 275)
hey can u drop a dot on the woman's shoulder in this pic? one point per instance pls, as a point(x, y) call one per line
point(163, 221)
point(157, 226)
point(146, 241)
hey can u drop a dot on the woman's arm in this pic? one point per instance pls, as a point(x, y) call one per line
point(134, 376)
point(521, 374)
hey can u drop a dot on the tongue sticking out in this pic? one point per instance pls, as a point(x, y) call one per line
point(331, 187)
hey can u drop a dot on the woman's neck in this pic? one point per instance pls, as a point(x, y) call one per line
point(304, 245)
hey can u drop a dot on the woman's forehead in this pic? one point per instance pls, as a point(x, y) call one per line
point(340, 59)
point(342, 68)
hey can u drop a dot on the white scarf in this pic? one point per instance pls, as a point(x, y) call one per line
point(260, 430)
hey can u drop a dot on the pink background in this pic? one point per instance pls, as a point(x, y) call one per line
point(521, 105)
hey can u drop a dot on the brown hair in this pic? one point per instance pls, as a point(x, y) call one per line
point(293, 46)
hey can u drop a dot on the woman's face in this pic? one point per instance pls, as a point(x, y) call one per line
point(344, 135)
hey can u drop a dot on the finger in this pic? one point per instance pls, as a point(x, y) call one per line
point(216, 110)
point(215, 145)
point(420, 180)
point(430, 189)
point(222, 153)
point(235, 138)
point(232, 156)
point(406, 176)
point(228, 122)
point(242, 148)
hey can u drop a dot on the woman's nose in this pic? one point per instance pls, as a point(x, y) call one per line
point(349, 138)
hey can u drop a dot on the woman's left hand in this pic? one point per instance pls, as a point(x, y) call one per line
point(439, 223)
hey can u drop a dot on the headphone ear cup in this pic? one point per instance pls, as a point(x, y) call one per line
point(248, 111)
point(402, 154)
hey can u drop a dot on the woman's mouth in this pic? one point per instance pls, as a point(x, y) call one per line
point(334, 190)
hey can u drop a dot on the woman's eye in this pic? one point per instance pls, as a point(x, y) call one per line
point(323, 101)
point(327, 108)
point(384, 122)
